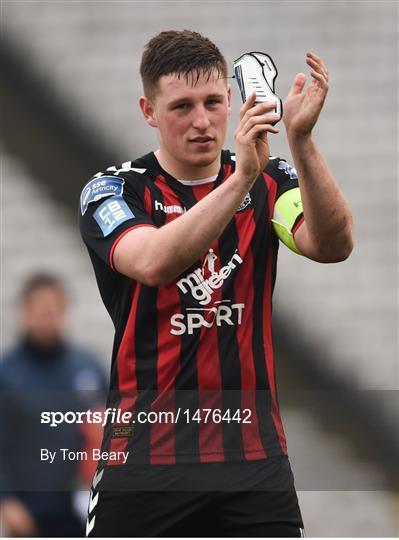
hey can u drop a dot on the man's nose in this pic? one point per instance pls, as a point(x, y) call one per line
point(201, 120)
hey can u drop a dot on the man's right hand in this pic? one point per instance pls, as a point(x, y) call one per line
point(251, 144)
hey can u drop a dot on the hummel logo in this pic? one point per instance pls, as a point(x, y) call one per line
point(97, 478)
point(93, 501)
point(126, 167)
point(90, 525)
point(173, 209)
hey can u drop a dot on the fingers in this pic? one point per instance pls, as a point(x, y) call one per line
point(317, 59)
point(257, 134)
point(256, 110)
point(248, 105)
point(250, 109)
point(320, 78)
point(258, 115)
point(262, 119)
point(261, 130)
point(253, 132)
point(319, 73)
point(319, 69)
point(297, 85)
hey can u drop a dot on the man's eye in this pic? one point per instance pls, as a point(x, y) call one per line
point(213, 101)
point(181, 106)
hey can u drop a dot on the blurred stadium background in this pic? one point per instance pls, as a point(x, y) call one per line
point(69, 92)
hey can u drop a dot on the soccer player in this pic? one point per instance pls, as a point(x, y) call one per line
point(184, 245)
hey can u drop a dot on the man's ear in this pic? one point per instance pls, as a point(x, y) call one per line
point(229, 98)
point(147, 108)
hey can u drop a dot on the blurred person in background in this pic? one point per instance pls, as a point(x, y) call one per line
point(43, 372)
point(184, 252)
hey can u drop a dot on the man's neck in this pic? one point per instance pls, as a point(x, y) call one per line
point(180, 171)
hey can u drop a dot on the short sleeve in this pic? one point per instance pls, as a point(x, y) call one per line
point(111, 206)
point(288, 209)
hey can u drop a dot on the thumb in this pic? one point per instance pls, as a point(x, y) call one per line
point(297, 85)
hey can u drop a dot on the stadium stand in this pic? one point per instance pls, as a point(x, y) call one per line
point(37, 235)
point(65, 43)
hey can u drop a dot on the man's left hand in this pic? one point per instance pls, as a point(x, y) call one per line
point(303, 105)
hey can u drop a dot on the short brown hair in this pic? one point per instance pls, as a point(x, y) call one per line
point(39, 281)
point(185, 53)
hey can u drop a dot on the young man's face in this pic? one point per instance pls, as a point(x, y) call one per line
point(191, 119)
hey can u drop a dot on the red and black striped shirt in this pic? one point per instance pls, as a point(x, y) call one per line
point(201, 347)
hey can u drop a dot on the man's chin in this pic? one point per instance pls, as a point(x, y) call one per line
point(204, 159)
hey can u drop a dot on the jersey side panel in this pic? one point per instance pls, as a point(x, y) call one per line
point(123, 394)
point(270, 277)
point(244, 289)
point(261, 250)
point(228, 341)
